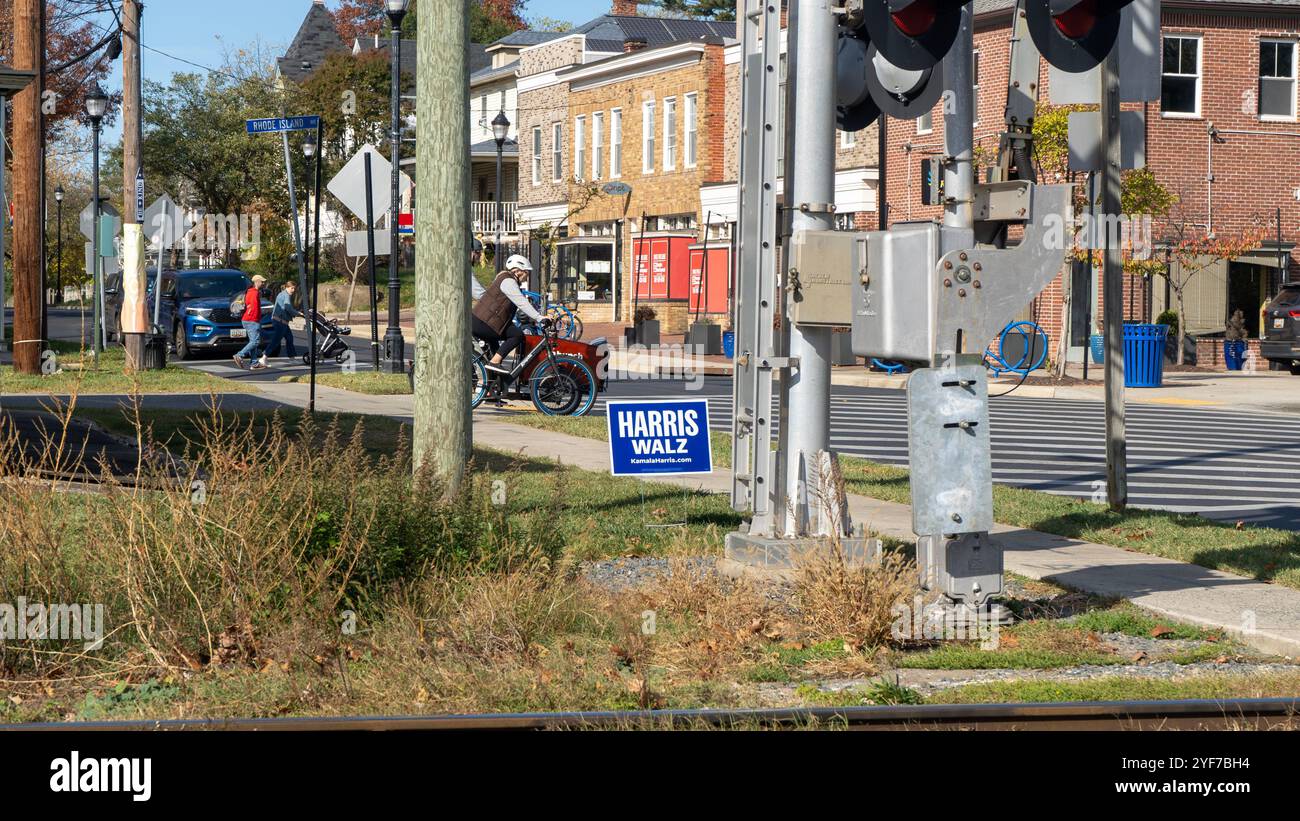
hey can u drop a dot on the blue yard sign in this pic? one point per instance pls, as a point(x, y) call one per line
point(659, 437)
point(278, 124)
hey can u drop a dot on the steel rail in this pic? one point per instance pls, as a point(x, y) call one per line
point(1198, 714)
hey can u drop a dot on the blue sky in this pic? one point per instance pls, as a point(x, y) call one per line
point(174, 27)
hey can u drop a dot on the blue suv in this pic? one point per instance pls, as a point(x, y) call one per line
point(196, 305)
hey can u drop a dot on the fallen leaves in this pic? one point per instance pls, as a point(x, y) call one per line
point(1160, 631)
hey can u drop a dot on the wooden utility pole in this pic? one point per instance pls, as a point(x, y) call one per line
point(442, 338)
point(134, 319)
point(27, 343)
point(1113, 286)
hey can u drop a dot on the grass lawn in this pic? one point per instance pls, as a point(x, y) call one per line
point(601, 517)
point(371, 382)
point(531, 637)
point(1260, 553)
point(79, 374)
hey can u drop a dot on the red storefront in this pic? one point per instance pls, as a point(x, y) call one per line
point(674, 268)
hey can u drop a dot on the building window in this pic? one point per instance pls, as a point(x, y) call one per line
point(616, 143)
point(1276, 80)
point(975, 81)
point(848, 139)
point(648, 136)
point(1180, 80)
point(537, 156)
point(925, 123)
point(557, 151)
point(690, 115)
point(670, 133)
point(579, 146)
point(780, 123)
point(597, 144)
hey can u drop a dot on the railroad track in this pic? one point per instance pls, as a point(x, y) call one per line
point(1200, 714)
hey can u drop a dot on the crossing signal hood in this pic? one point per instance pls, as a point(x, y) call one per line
point(855, 109)
point(1074, 35)
point(912, 34)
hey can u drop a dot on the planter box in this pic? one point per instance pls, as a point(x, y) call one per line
point(842, 349)
point(646, 333)
point(706, 337)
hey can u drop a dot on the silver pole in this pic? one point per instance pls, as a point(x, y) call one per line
point(1112, 285)
point(959, 114)
point(813, 192)
point(293, 209)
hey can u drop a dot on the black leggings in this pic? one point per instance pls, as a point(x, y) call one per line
point(503, 343)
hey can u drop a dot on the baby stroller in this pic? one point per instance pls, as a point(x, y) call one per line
point(329, 338)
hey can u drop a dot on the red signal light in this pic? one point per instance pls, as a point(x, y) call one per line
point(917, 18)
point(1078, 20)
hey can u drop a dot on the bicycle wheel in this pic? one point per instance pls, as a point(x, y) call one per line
point(563, 387)
point(563, 321)
point(478, 382)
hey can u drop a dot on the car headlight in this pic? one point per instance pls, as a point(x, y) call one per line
point(203, 312)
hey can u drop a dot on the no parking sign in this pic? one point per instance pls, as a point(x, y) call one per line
point(659, 437)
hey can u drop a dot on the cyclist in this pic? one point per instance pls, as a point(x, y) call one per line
point(495, 311)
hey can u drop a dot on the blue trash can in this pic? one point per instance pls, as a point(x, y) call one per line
point(1144, 355)
point(1097, 344)
point(729, 344)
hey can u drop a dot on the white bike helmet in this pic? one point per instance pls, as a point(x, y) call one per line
point(519, 261)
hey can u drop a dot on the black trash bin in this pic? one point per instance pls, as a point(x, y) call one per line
point(155, 352)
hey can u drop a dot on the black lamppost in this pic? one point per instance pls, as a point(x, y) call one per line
point(96, 108)
point(394, 344)
point(308, 151)
point(58, 277)
point(500, 128)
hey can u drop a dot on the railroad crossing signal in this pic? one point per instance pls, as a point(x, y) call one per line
point(1074, 35)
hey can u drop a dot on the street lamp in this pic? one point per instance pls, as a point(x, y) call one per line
point(500, 128)
point(308, 151)
point(394, 343)
point(96, 108)
point(58, 277)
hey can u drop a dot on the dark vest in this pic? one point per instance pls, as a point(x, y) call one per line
point(494, 308)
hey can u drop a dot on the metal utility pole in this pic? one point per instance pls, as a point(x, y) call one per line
point(27, 56)
point(442, 415)
point(134, 321)
point(1113, 287)
point(807, 508)
point(882, 171)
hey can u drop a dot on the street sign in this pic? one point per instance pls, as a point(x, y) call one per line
point(349, 185)
point(274, 125)
point(111, 223)
point(659, 437)
point(616, 189)
point(165, 222)
point(139, 196)
point(406, 224)
point(358, 243)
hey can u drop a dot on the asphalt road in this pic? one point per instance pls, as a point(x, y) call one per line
point(1222, 463)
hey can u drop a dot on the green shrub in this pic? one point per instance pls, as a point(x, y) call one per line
point(1169, 317)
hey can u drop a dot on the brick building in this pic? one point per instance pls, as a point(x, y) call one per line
point(1223, 138)
point(582, 103)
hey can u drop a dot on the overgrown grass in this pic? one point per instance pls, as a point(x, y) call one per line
point(1266, 554)
point(370, 382)
point(1120, 688)
point(78, 373)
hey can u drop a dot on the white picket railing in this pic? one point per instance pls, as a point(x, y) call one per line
point(483, 217)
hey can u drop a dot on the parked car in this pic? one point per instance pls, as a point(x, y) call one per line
point(201, 319)
point(1281, 342)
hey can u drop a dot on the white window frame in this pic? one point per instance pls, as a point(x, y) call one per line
point(691, 130)
point(557, 152)
point(975, 75)
point(597, 143)
point(579, 146)
point(670, 134)
point(537, 155)
point(648, 137)
point(848, 139)
point(616, 143)
point(928, 119)
point(1200, 73)
point(1278, 118)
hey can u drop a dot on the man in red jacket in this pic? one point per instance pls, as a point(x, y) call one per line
point(252, 320)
